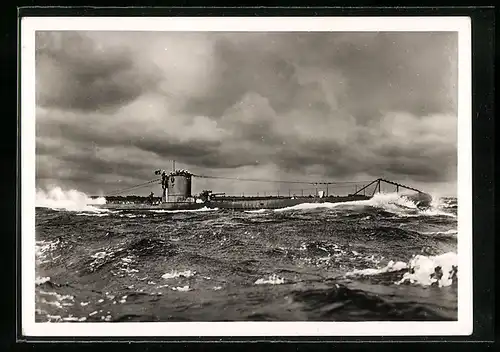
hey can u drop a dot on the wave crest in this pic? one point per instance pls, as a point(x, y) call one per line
point(204, 209)
point(271, 280)
point(58, 199)
point(396, 203)
point(440, 270)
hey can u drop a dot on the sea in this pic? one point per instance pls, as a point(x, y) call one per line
point(382, 259)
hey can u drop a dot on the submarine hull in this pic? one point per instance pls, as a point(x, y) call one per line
point(422, 200)
point(236, 203)
point(178, 185)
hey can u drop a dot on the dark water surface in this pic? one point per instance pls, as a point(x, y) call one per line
point(341, 262)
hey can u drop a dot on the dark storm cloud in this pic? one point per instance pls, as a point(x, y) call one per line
point(75, 73)
point(368, 72)
point(290, 105)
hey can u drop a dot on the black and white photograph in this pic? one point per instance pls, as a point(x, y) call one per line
point(246, 171)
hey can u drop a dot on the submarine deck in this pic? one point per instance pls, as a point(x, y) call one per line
point(237, 203)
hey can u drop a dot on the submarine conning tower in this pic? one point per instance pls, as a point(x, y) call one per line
point(176, 185)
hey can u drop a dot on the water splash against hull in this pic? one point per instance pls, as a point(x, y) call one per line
point(72, 200)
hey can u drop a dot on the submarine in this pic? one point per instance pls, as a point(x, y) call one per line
point(177, 195)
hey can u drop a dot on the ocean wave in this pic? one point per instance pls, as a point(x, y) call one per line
point(447, 204)
point(440, 270)
point(343, 303)
point(331, 255)
point(390, 267)
point(256, 211)
point(271, 280)
point(394, 203)
point(98, 214)
point(176, 274)
point(183, 211)
point(182, 288)
point(437, 212)
point(54, 299)
point(132, 216)
point(41, 280)
point(44, 250)
point(448, 233)
point(58, 199)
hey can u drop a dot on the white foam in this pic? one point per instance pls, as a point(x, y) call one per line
point(308, 206)
point(390, 267)
point(72, 200)
point(60, 301)
point(381, 200)
point(448, 232)
point(100, 255)
point(54, 317)
point(272, 280)
point(424, 267)
point(420, 269)
point(181, 288)
point(94, 214)
point(41, 280)
point(71, 318)
point(43, 251)
point(131, 216)
point(256, 211)
point(396, 203)
point(175, 274)
point(183, 211)
point(437, 212)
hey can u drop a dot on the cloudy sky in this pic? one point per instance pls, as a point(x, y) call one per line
point(112, 107)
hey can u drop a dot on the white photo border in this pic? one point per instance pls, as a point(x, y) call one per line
point(461, 25)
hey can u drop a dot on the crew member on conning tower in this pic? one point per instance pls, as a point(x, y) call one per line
point(176, 185)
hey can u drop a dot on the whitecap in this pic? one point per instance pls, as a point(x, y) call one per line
point(271, 280)
point(41, 280)
point(183, 211)
point(175, 274)
point(181, 288)
point(421, 270)
point(390, 267)
point(256, 211)
point(426, 270)
point(441, 233)
point(71, 200)
point(396, 203)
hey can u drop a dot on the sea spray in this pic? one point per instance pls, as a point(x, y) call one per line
point(72, 200)
point(422, 270)
point(176, 274)
point(396, 203)
point(201, 210)
point(271, 280)
point(390, 267)
point(441, 270)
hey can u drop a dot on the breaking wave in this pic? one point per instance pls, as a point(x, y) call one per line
point(440, 270)
point(183, 210)
point(271, 280)
point(176, 274)
point(395, 203)
point(258, 211)
point(448, 233)
point(390, 267)
point(58, 199)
